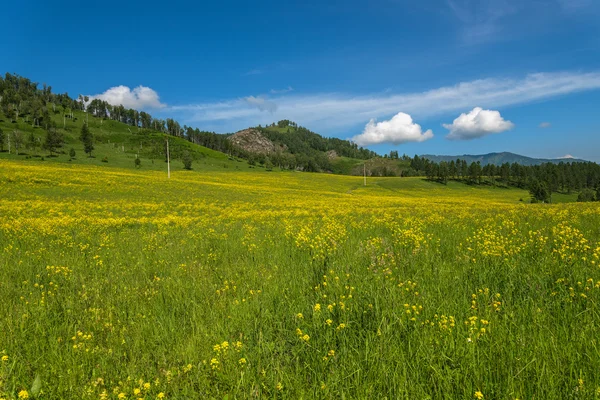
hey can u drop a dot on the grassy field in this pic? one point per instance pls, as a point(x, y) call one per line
point(121, 284)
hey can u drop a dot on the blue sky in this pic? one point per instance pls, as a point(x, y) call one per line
point(413, 68)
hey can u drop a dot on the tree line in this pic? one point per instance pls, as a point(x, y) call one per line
point(541, 180)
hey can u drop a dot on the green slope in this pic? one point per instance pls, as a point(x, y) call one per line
point(116, 143)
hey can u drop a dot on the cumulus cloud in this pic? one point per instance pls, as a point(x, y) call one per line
point(399, 129)
point(566, 156)
point(335, 112)
point(139, 98)
point(477, 123)
point(545, 125)
point(261, 103)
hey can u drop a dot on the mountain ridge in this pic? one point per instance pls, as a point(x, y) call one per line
point(499, 158)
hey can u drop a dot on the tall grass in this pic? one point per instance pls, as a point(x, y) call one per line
point(121, 284)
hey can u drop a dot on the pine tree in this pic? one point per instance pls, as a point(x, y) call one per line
point(54, 140)
point(187, 160)
point(87, 139)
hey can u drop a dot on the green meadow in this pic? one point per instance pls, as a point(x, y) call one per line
point(118, 283)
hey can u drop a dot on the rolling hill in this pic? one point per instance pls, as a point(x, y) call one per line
point(115, 144)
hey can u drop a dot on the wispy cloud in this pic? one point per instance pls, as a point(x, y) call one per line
point(333, 112)
point(253, 72)
point(545, 125)
point(261, 103)
point(575, 5)
point(481, 21)
point(281, 91)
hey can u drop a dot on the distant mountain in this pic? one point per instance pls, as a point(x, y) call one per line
point(500, 158)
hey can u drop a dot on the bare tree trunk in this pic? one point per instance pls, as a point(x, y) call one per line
point(168, 161)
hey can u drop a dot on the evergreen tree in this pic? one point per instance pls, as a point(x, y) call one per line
point(87, 139)
point(187, 160)
point(54, 140)
point(464, 169)
point(32, 142)
point(443, 172)
point(539, 192)
point(2, 139)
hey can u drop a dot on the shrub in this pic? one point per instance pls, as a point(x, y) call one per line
point(586, 195)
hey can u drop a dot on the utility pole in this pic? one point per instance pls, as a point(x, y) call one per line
point(168, 160)
point(365, 173)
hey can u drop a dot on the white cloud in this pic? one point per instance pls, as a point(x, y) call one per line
point(476, 124)
point(261, 103)
point(545, 125)
point(566, 156)
point(399, 129)
point(139, 98)
point(335, 112)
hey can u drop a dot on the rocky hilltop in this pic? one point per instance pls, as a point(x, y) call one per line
point(252, 141)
